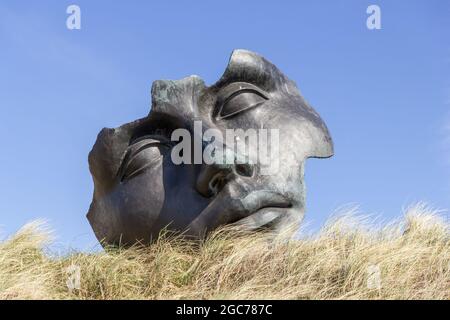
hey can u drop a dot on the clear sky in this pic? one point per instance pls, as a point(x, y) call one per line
point(384, 94)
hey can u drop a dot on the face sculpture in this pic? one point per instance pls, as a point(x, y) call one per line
point(139, 190)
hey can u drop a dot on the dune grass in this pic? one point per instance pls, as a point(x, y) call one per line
point(347, 259)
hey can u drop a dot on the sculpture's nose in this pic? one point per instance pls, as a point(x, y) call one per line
point(212, 178)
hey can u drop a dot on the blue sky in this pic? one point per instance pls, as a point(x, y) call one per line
point(384, 94)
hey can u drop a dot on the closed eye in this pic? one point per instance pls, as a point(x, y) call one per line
point(142, 154)
point(238, 97)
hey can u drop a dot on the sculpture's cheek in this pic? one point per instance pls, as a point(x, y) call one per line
point(140, 201)
point(104, 220)
point(131, 209)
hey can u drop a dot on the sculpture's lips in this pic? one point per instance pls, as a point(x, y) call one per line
point(264, 216)
point(253, 210)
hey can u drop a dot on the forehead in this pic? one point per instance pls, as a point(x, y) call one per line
point(246, 66)
point(190, 98)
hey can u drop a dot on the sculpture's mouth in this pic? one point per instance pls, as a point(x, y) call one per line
point(265, 216)
point(256, 209)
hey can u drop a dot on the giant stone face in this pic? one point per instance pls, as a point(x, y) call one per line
point(139, 190)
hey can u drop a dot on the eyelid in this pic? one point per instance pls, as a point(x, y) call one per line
point(243, 90)
point(143, 143)
point(233, 90)
point(230, 90)
point(137, 146)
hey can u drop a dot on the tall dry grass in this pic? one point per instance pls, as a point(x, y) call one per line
point(347, 259)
